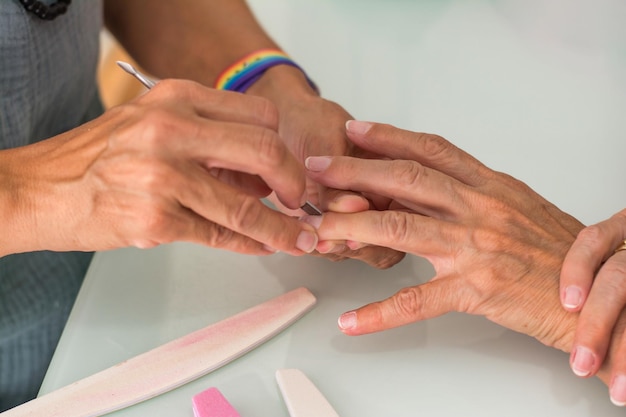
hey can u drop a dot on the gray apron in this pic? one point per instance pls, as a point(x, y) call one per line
point(47, 86)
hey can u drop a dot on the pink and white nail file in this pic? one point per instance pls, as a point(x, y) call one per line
point(301, 396)
point(211, 403)
point(172, 364)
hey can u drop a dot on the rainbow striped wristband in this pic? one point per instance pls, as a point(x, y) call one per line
point(243, 73)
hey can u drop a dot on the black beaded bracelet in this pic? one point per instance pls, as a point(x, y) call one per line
point(44, 11)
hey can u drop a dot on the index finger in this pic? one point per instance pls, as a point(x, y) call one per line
point(430, 150)
point(221, 105)
point(413, 185)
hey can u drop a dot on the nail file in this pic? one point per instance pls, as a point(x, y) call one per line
point(172, 364)
point(211, 403)
point(301, 396)
point(308, 207)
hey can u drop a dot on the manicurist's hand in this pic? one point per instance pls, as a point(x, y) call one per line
point(593, 281)
point(182, 162)
point(497, 247)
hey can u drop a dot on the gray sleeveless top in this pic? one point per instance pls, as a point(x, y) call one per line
point(47, 86)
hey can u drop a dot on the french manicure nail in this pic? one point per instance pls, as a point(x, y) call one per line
point(317, 163)
point(337, 248)
point(573, 297)
point(347, 321)
point(583, 361)
point(307, 241)
point(270, 249)
point(315, 221)
point(618, 390)
point(354, 245)
point(358, 127)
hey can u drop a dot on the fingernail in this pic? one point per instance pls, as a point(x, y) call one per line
point(353, 245)
point(573, 297)
point(348, 203)
point(315, 221)
point(270, 249)
point(335, 248)
point(583, 361)
point(317, 163)
point(307, 241)
point(618, 391)
point(356, 126)
point(347, 321)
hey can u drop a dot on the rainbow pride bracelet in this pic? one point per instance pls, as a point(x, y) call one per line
point(243, 73)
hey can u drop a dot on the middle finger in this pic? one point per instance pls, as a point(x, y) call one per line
point(413, 185)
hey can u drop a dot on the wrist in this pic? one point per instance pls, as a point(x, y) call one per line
point(12, 212)
point(270, 73)
point(282, 84)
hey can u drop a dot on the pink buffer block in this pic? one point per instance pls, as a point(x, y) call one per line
point(211, 403)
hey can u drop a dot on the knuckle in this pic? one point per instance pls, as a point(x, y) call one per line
point(395, 226)
point(220, 236)
point(169, 88)
point(245, 215)
point(268, 113)
point(155, 126)
point(272, 152)
point(407, 304)
point(153, 223)
point(591, 235)
point(435, 146)
point(406, 173)
point(155, 177)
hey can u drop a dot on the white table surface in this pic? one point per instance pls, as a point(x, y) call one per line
point(532, 88)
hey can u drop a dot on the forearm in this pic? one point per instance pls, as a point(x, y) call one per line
point(186, 39)
point(15, 236)
point(197, 40)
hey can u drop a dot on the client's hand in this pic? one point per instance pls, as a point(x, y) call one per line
point(496, 245)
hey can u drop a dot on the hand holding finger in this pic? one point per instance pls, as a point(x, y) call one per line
point(141, 175)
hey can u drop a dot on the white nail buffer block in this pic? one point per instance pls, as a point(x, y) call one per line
point(171, 365)
point(301, 396)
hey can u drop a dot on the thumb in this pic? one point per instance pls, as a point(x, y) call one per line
point(408, 305)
